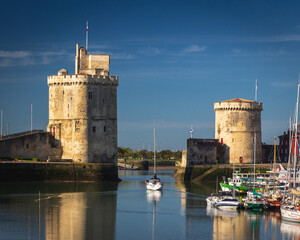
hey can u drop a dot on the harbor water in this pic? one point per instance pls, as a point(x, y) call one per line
point(126, 210)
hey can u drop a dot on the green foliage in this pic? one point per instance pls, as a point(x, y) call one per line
point(167, 154)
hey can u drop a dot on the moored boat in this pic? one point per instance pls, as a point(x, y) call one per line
point(228, 203)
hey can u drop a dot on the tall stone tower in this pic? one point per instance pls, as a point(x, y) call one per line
point(83, 109)
point(236, 122)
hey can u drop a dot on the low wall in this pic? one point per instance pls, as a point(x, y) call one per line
point(38, 144)
point(195, 173)
point(36, 171)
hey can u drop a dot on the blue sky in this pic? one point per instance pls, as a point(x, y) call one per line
point(174, 60)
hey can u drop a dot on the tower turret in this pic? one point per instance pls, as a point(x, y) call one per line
point(237, 122)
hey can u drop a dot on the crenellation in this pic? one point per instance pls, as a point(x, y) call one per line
point(237, 122)
point(85, 123)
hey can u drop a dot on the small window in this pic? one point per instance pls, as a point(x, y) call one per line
point(68, 105)
point(63, 92)
point(27, 145)
point(71, 98)
point(233, 140)
point(94, 129)
point(90, 95)
point(103, 100)
point(104, 128)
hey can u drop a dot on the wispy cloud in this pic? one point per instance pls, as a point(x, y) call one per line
point(193, 49)
point(14, 54)
point(122, 55)
point(25, 58)
point(262, 52)
point(150, 51)
point(284, 84)
point(282, 38)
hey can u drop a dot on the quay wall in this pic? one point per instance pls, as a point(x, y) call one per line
point(212, 172)
point(51, 171)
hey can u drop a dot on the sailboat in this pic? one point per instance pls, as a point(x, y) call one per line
point(274, 200)
point(253, 200)
point(154, 183)
point(291, 211)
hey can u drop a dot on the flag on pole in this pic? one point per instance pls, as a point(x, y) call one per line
point(191, 131)
point(87, 35)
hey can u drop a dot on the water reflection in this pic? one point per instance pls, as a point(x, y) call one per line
point(67, 211)
point(153, 197)
point(290, 230)
point(128, 211)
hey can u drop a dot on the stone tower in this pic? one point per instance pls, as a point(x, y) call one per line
point(236, 122)
point(83, 109)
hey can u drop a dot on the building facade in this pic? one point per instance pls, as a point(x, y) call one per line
point(83, 109)
point(237, 125)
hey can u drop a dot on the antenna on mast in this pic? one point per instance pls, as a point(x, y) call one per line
point(87, 35)
point(256, 90)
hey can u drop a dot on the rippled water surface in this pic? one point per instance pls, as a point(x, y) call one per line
point(126, 210)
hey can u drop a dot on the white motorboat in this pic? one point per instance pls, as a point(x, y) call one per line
point(290, 213)
point(228, 203)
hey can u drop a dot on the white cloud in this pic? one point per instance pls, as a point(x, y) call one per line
point(151, 51)
point(282, 38)
point(236, 50)
point(284, 84)
point(122, 56)
point(194, 49)
point(25, 58)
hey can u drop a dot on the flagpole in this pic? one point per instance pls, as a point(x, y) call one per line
point(31, 119)
point(1, 122)
point(87, 35)
point(256, 91)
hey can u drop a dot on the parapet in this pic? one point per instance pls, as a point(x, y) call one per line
point(82, 79)
point(238, 104)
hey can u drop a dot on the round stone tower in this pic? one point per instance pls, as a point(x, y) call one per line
point(237, 124)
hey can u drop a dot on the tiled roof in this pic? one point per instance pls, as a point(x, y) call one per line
point(239, 100)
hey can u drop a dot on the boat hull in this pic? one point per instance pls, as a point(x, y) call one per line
point(154, 187)
point(291, 215)
point(227, 206)
point(254, 206)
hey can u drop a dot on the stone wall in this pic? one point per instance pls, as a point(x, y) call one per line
point(204, 151)
point(237, 122)
point(38, 144)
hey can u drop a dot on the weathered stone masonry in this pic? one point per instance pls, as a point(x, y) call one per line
point(83, 109)
point(237, 122)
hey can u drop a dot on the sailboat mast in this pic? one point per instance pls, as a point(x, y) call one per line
point(288, 170)
point(254, 157)
point(296, 137)
point(154, 152)
point(274, 164)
